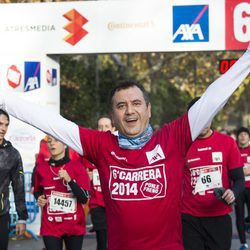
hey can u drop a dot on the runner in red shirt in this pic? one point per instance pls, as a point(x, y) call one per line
point(96, 202)
point(243, 139)
point(44, 156)
point(60, 188)
point(212, 162)
point(140, 171)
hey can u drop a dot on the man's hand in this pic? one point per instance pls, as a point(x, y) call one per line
point(228, 196)
point(41, 201)
point(20, 228)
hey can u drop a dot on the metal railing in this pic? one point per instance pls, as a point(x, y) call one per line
point(32, 207)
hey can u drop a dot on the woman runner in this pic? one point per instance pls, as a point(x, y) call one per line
point(60, 187)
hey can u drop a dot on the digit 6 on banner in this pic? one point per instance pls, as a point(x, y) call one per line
point(237, 24)
point(242, 22)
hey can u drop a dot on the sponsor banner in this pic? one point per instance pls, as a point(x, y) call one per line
point(26, 75)
point(237, 24)
point(26, 140)
point(125, 26)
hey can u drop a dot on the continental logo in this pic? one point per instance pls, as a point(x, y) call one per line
point(74, 27)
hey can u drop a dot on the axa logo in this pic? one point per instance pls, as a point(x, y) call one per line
point(155, 155)
point(32, 76)
point(190, 23)
point(74, 27)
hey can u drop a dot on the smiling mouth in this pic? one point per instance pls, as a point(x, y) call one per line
point(131, 120)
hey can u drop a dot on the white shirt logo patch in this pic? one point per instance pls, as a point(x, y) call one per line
point(217, 156)
point(155, 155)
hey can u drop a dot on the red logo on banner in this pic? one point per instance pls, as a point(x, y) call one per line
point(14, 76)
point(237, 24)
point(76, 32)
point(48, 76)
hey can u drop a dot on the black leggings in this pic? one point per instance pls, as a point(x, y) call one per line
point(243, 198)
point(4, 231)
point(101, 238)
point(207, 233)
point(71, 243)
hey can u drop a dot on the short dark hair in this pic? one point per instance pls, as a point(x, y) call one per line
point(107, 117)
point(193, 102)
point(242, 129)
point(125, 85)
point(2, 112)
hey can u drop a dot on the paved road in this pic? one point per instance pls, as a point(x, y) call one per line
point(89, 242)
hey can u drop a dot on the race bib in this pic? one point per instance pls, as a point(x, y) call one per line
point(62, 202)
point(248, 159)
point(96, 178)
point(144, 183)
point(209, 178)
point(247, 165)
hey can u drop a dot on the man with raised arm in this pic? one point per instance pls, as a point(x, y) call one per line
point(141, 171)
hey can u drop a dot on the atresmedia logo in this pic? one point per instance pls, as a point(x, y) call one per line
point(74, 27)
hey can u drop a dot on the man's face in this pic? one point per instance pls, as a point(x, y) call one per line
point(104, 124)
point(130, 113)
point(4, 124)
point(243, 139)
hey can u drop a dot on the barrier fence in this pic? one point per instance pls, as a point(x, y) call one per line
point(32, 207)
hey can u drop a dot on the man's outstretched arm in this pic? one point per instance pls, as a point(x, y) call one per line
point(217, 94)
point(42, 118)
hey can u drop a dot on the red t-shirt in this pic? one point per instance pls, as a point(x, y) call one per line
point(245, 156)
point(96, 196)
point(142, 187)
point(63, 214)
point(208, 162)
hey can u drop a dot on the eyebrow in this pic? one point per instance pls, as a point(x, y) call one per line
point(135, 100)
point(4, 123)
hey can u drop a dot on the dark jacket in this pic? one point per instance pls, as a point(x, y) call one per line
point(11, 171)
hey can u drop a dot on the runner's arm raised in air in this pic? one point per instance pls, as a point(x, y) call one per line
point(217, 94)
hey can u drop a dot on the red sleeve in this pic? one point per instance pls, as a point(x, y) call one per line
point(37, 180)
point(178, 132)
point(82, 177)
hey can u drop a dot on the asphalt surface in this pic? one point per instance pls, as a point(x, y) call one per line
point(89, 242)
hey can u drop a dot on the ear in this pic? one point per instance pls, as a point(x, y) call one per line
point(111, 117)
point(149, 110)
